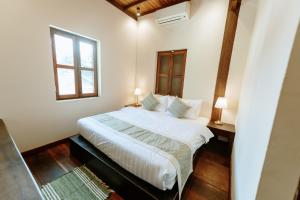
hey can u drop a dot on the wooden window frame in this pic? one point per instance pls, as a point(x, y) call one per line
point(77, 68)
point(170, 74)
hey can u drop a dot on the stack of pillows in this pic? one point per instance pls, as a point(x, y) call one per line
point(180, 108)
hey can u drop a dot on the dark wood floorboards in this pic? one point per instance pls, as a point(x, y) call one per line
point(210, 180)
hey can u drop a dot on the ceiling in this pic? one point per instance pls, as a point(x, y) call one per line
point(146, 6)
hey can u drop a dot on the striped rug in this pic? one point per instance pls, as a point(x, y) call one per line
point(80, 183)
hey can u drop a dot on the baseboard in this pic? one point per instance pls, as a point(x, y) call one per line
point(44, 147)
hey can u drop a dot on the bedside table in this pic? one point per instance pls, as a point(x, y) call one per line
point(133, 105)
point(224, 130)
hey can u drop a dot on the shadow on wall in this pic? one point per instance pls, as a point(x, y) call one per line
point(195, 5)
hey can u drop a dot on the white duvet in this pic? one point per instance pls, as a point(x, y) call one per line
point(137, 159)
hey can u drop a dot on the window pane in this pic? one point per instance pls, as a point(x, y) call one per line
point(86, 55)
point(66, 81)
point(163, 85)
point(87, 79)
point(64, 50)
point(178, 64)
point(176, 86)
point(164, 64)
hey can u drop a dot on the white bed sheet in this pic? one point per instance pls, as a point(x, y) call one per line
point(144, 162)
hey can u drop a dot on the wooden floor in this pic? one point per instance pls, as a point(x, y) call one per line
point(210, 180)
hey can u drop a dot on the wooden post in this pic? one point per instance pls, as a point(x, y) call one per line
point(225, 58)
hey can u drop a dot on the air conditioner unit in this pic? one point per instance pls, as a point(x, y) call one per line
point(173, 14)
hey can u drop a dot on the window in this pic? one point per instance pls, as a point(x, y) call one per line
point(170, 72)
point(75, 65)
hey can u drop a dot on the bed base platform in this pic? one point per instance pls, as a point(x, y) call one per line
point(120, 180)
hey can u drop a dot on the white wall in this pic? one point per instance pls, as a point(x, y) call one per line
point(281, 171)
point(27, 103)
point(202, 36)
point(267, 61)
point(239, 57)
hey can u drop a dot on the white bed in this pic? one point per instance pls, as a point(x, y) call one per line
point(129, 154)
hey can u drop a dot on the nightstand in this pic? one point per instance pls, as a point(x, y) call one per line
point(133, 105)
point(224, 130)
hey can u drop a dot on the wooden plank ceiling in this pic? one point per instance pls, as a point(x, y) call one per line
point(146, 6)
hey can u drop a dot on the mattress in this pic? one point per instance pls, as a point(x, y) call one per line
point(135, 158)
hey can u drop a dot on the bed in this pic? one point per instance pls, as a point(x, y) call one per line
point(145, 162)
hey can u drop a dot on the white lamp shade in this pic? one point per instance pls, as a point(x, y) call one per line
point(137, 91)
point(221, 103)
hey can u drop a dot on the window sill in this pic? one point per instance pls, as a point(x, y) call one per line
point(77, 99)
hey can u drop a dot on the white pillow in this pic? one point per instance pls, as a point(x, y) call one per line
point(170, 100)
point(163, 103)
point(194, 110)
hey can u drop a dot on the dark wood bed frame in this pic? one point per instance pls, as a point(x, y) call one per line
point(120, 180)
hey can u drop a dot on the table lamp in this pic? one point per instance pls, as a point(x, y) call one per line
point(137, 93)
point(221, 104)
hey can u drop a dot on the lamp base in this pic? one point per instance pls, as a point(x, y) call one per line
point(218, 122)
point(137, 101)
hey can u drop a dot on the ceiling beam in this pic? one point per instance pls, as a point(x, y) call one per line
point(133, 4)
point(119, 6)
point(163, 6)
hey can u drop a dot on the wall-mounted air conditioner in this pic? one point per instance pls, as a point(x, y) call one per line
point(173, 14)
